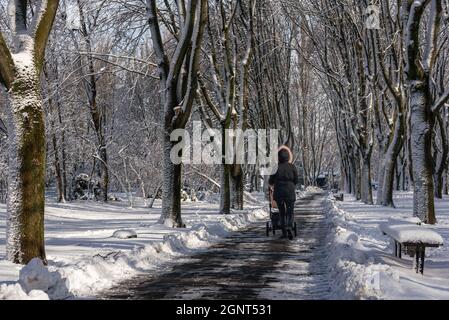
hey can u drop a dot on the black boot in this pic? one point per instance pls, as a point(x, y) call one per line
point(290, 235)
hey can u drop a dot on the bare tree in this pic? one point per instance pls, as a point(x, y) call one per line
point(20, 70)
point(178, 85)
point(423, 108)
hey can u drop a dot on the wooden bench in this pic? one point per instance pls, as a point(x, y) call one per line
point(413, 239)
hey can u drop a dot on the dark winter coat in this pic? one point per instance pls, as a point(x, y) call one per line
point(284, 181)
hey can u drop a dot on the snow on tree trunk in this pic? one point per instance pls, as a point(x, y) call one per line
point(104, 172)
point(225, 189)
point(366, 188)
point(177, 103)
point(237, 187)
point(171, 188)
point(390, 161)
point(26, 198)
point(422, 121)
point(380, 178)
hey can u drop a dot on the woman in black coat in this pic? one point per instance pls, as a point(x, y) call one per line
point(284, 182)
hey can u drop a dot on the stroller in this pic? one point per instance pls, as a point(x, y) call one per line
point(275, 218)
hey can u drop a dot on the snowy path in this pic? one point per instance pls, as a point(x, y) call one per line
point(248, 265)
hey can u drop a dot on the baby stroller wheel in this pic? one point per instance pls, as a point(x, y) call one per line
point(295, 229)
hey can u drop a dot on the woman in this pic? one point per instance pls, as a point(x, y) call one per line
point(284, 182)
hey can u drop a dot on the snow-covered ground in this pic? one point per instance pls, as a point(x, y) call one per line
point(84, 257)
point(363, 260)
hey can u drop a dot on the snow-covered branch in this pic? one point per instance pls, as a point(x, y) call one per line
point(192, 82)
point(439, 103)
point(184, 42)
point(43, 25)
point(433, 29)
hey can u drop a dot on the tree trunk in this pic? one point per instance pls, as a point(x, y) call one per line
point(171, 188)
point(380, 178)
point(348, 181)
point(388, 184)
point(237, 187)
point(63, 154)
point(404, 174)
point(256, 179)
point(342, 183)
point(225, 190)
point(355, 179)
point(397, 176)
point(422, 122)
point(104, 172)
point(438, 185)
point(366, 188)
point(59, 183)
point(26, 199)
point(390, 162)
point(445, 183)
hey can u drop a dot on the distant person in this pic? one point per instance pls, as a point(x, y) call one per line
point(284, 183)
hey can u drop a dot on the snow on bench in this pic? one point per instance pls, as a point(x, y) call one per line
point(413, 237)
point(404, 232)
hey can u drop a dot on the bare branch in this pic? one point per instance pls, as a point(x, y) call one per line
point(6, 64)
point(44, 24)
point(192, 84)
point(439, 103)
point(432, 35)
point(156, 37)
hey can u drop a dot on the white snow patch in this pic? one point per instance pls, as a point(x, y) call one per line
point(124, 234)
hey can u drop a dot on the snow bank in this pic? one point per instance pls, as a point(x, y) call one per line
point(361, 258)
point(354, 273)
point(15, 292)
point(35, 276)
point(91, 275)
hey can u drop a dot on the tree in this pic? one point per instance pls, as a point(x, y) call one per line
point(20, 71)
point(423, 107)
point(226, 63)
point(178, 85)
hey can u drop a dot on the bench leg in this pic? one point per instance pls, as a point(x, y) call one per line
point(395, 248)
point(417, 258)
point(423, 255)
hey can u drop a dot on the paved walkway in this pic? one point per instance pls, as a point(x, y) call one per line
point(248, 265)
